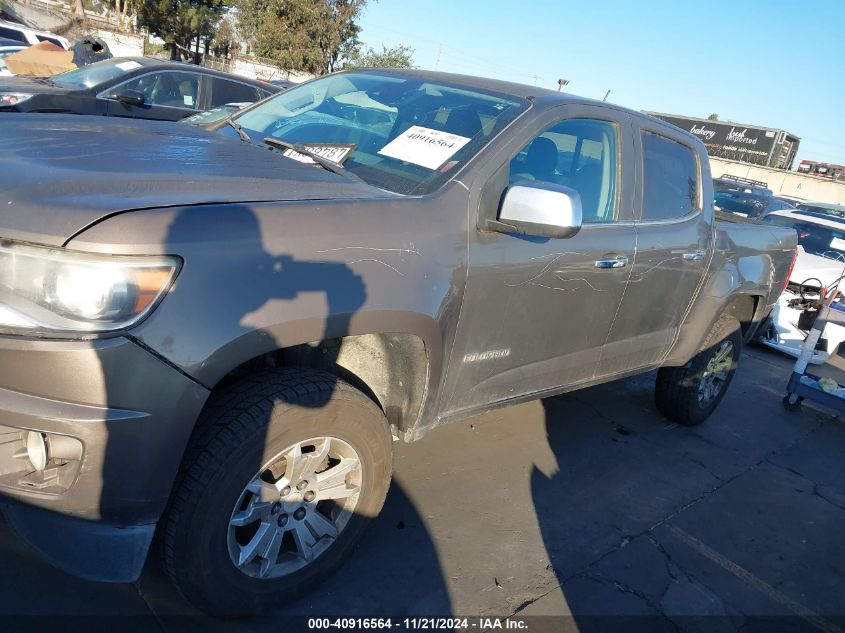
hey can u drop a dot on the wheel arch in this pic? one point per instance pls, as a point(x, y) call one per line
point(747, 308)
point(393, 367)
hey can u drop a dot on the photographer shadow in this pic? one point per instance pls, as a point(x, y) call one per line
point(395, 569)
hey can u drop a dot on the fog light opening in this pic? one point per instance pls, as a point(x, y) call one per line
point(36, 450)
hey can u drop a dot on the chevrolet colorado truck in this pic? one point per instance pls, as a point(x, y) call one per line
point(213, 338)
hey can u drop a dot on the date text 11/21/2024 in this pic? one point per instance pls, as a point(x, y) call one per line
point(418, 624)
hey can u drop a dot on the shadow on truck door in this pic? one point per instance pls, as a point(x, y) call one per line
point(278, 472)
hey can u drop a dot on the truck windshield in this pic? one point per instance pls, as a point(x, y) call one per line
point(816, 239)
point(400, 133)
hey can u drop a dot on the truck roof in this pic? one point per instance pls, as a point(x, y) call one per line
point(544, 95)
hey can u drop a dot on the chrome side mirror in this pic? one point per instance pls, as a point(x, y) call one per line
point(539, 208)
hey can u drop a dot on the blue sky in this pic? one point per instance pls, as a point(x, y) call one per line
point(778, 64)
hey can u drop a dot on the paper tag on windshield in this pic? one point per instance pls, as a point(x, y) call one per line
point(127, 66)
point(423, 146)
point(335, 152)
point(838, 243)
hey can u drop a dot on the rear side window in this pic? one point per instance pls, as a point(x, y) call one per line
point(12, 34)
point(670, 178)
point(223, 92)
point(52, 40)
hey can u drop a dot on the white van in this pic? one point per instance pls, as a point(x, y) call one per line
point(28, 36)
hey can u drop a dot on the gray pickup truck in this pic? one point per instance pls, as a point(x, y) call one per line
point(214, 337)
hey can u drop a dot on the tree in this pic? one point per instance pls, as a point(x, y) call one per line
point(224, 39)
point(397, 57)
point(310, 35)
point(179, 22)
point(713, 117)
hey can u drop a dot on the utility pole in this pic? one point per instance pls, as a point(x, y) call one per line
point(606, 95)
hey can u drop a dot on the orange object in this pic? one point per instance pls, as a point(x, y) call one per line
point(41, 60)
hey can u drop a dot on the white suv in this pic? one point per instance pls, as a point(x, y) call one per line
point(28, 36)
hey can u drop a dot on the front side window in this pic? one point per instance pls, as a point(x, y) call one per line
point(670, 178)
point(403, 134)
point(576, 153)
point(171, 89)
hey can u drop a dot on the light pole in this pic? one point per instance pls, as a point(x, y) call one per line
point(561, 83)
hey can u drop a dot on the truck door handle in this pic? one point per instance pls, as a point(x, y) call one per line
point(618, 262)
point(695, 256)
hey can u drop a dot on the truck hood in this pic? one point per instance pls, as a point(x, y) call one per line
point(60, 173)
point(809, 266)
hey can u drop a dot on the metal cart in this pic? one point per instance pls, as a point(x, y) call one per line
point(803, 385)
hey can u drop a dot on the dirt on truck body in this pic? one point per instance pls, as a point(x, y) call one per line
point(217, 338)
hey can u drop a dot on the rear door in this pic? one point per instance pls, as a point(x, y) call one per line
point(674, 246)
point(536, 311)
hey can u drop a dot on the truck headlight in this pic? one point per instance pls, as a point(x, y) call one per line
point(53, 290)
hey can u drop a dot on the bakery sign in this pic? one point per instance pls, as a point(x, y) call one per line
point(727, 137)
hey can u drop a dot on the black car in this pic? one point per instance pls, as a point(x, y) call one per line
point(137, 87)
point(750, 205)
point(727, 182)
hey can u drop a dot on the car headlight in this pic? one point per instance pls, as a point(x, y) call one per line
point(53, 291)
point(13, 98)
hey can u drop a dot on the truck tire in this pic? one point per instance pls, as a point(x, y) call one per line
point(282, 475)
point(689, 394)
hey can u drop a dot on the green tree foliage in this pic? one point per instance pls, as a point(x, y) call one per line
point(309, 35)
point(396, 57)
point(224, 41)
point(179, 22)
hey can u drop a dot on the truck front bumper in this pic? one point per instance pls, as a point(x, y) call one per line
point(115, 421)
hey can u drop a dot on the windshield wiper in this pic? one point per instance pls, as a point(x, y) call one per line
point(325, 163)
point(240, 130)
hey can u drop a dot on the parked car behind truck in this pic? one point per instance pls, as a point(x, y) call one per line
point(133, 87)
point(216, 340)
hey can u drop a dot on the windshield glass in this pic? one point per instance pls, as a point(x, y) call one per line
point(95, 74)
point(828, 211)
point(402, 134)
point(751, 207)
point(210, 116)
point(814, 238)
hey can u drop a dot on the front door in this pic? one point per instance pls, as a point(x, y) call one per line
point(537, 310)
point(168, 96)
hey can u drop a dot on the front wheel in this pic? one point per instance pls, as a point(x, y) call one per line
point(689, 394)
point(283, 474)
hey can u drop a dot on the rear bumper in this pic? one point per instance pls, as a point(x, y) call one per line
point(126, 416)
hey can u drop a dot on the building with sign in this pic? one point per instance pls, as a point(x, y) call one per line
point(739, 142)
point(825, 170)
